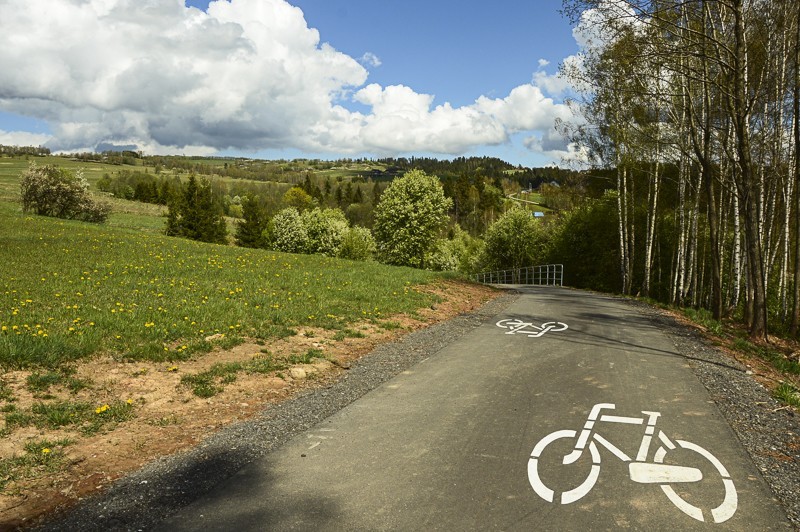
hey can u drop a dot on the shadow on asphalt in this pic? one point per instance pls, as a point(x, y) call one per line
point(211, 478)
point(224, 508)
point(580, 336)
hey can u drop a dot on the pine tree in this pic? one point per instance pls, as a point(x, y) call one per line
point(250, 231)
point(196, 215)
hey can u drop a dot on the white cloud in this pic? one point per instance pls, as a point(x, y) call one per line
point(22, 138)
point(592, 31)
point(554, 84)
point(246, 75)
point(371, 60)
point(402, 120)
point(543, 63)
point(558, 150)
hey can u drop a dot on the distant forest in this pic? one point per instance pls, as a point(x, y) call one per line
point(381, 170)
point(17, 151)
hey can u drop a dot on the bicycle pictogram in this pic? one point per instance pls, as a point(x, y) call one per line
point(657, 470)
point(517, 326)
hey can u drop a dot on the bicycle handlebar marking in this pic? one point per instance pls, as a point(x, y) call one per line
point(641, 470)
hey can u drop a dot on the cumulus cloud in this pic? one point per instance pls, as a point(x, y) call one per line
point(402, 120)
point(556, 148)
point(553, 84)
point(22, 138)
point(247, 75)
point(371, 60)
point(592, 31)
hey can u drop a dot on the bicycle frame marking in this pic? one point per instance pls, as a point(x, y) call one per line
point(640, 470)
point(517, 326)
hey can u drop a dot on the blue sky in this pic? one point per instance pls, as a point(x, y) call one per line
point(456, 50)
point(380, 78)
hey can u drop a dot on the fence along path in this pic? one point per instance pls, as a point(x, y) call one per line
point(542, 275)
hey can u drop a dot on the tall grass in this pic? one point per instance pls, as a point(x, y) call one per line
point(70, 289)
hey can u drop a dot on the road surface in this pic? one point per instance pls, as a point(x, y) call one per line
point(475, 438)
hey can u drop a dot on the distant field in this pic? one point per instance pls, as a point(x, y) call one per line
point(12, 167)
point(71, 289)
point(534, 197)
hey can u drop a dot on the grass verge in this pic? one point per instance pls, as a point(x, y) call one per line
point(212, 381)
point(777, 358)
point(144, 296)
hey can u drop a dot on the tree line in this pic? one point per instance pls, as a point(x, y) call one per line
point(16, 151)
point(477, 194)
point(690, 112)
point(409, 219)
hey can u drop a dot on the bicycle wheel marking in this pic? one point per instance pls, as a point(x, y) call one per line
point(569, 496)
point(641, 470)
point(529, 329)
point(721, 513)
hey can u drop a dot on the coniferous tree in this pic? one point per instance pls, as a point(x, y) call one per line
point(250, 231)
point(196, 214)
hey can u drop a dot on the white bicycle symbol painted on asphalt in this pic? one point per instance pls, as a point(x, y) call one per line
point(655, 471)
point(529, 329)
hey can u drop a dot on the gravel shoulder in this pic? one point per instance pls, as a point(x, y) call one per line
point(768, 429)
point(769, 432)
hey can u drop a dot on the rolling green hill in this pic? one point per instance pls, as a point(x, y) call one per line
point(70, 289)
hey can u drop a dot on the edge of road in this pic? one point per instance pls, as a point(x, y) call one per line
point(768, 430)
point(142, 499)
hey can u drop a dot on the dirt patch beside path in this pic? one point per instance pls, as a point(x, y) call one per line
point(166, 415)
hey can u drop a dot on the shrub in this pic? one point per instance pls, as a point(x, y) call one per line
point(325, 229)
point(53, 191)
point(287, 232)
point(459, 253)
point(444, 257)
point(515, 240)
point(357, 244)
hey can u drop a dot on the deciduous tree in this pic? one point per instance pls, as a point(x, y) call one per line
point(410, 215)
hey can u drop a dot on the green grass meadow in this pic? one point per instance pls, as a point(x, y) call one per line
point(69, 289)
point(12, 167)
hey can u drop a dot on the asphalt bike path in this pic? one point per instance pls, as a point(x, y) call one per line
point(566, 411)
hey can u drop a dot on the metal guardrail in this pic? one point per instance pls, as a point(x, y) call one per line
point(544, 275)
